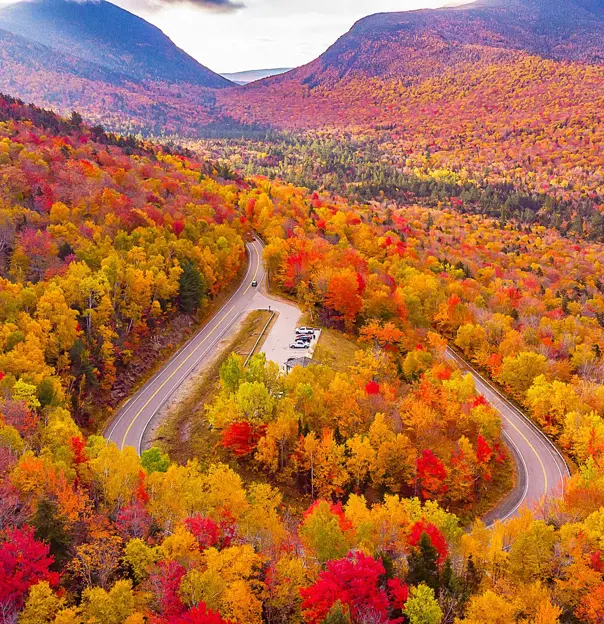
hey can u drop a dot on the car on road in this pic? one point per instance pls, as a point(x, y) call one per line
point(305, 331)
point(255, 284)
point(299, 344)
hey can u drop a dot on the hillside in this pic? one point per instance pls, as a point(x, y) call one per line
point(39, 74)
point(327, 495)
point(498, 92)
point(105, 34)
point(413, 46)
point(32, 55)
point(113, 67)
point(419, 43)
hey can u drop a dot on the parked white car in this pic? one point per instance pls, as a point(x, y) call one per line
point(305, 331)
point(299, 344)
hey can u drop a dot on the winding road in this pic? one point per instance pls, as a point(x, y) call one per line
point(541, 468)
point(131, 422)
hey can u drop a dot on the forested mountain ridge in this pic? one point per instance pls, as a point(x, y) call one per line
point(496, 100)
point(37, 73)
point(418, 43)
point(32, 54)
point(114, 67)
point(505, 92)
point(107, 35)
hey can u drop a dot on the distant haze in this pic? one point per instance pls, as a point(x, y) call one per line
point(245, 77)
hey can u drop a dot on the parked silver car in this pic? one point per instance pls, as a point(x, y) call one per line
point(305, 331)
point(299, 344)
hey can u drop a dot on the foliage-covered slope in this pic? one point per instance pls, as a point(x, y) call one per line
point(114, 67)
point(102, 238)
point(492, 93)
point(37, 73)
point(496, 104)
point(121, 222)
point(105, 34)
point(421, 43)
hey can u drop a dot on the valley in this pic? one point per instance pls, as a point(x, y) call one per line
point(426, 198)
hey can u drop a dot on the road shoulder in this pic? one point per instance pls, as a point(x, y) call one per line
point(181, 419)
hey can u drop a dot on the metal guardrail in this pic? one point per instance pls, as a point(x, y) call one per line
point(251, 353)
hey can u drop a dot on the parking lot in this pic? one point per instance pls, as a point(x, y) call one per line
point(302, 344)
point(282, 334)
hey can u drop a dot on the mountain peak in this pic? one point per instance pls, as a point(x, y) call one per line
point(591, 6)
point(102, 33)
point(569, 30)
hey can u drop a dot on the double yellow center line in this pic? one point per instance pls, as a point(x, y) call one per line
point(184, 362)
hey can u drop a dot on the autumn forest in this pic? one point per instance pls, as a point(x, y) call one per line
point(432, 213)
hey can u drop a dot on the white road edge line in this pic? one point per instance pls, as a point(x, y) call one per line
point(548, 443)
point(181, 380)
point(130, 402)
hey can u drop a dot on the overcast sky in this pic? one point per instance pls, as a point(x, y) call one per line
point(236, 35)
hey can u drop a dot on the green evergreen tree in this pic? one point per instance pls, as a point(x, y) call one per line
point(49, 527)
point(192, 289)
point(453, 594)
point(76, 120)
point(430, 223)
point(46, 392)
point(577, 226)
point(339, 438)
point(472, 577)
point(423, 564)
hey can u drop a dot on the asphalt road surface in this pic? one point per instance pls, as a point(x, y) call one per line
point(540, 466)
point(282, 333)
point(130, 424)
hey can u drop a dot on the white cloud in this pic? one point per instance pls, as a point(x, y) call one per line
point(217, 6)
point(266, 33)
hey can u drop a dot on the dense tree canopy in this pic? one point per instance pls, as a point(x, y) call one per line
point(346, 494)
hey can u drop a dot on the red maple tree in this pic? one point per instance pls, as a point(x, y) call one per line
point(355, 582)
point(437, 539)
point(23, 562)
point(242, 438)
point(431, 475)
point(199, 615)
point(205, 530)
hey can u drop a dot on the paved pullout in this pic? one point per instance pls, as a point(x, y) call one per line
point(136, 415)
point(541, 468)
